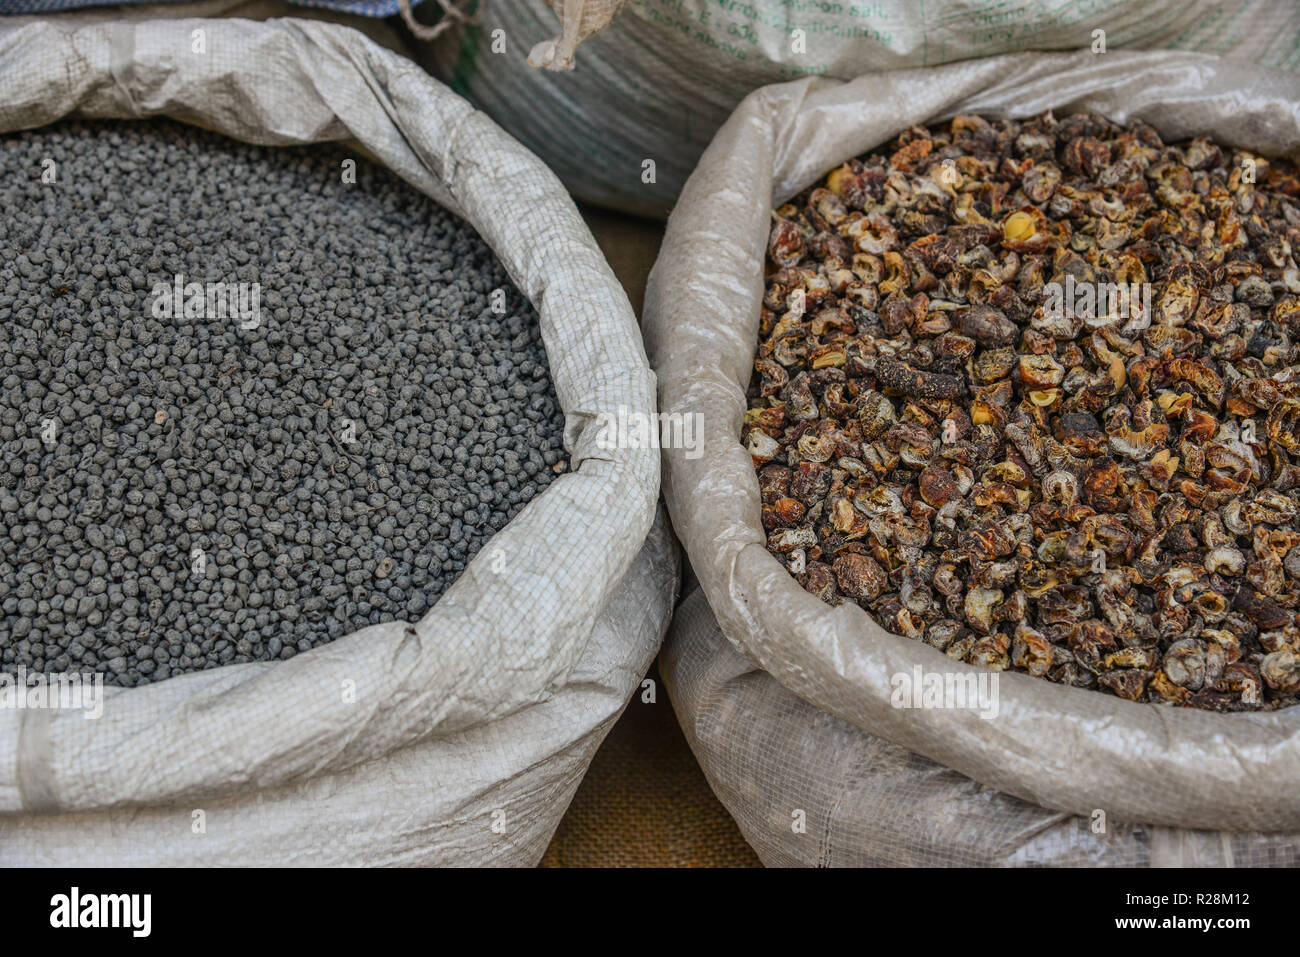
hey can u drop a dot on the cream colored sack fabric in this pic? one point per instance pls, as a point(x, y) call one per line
point(491, 795)
point(517, 629)
point(579, 20)
point(1064, 749)
point(863, 802)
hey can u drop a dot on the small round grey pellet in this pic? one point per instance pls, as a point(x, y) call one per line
point(216, 494)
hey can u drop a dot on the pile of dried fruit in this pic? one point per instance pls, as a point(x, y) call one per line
point(958, 427)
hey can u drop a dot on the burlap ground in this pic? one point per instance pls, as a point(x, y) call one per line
point(645, 803)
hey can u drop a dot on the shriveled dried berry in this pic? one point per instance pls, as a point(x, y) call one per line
point(859, 576)
point(1281, 670)
point(987, 325)
point(1045, 415)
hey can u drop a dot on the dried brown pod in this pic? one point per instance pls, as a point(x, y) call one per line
point(920, 383)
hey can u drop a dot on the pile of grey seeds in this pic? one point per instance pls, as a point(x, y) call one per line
point(180, 493)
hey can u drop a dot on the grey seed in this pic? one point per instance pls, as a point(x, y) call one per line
point(337, 466)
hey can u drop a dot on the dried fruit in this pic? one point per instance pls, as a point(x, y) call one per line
point(1045, 414)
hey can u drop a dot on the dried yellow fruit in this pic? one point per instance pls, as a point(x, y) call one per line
point(1018, 226)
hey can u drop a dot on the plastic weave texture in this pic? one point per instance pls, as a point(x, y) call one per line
point(406, 735)
point(1064, 749)
point(810, 790)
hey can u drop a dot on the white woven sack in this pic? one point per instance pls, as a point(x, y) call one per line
point(1061, 748)
point(509, 680)
point(810, 790)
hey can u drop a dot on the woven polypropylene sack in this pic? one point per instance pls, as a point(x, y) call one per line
point(810, 790)
point(659, 80)
point(397, 741)
point(1061, 748)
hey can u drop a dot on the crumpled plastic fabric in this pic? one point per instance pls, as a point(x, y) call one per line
point(1064, 749)
point(810, 790)
point(514, 674)
point(579, 21)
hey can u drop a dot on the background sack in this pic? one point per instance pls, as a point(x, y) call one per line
point(659, 80)
point(513, 676)
point(1064, 749)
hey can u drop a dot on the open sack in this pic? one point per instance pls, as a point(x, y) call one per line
point(1058, 748)
point(400, 742)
